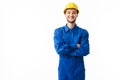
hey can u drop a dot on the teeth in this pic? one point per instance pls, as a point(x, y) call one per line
point(71, 18)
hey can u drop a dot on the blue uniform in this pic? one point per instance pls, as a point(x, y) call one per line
point(71, 62)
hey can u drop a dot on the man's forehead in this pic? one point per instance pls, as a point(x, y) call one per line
point(71, 9)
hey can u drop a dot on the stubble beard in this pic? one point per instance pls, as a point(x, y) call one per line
point(71, 21)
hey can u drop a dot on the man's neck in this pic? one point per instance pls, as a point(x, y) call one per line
point(71, 25)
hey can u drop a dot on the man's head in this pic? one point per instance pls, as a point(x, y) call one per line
point(71, 5)
point(71, 12)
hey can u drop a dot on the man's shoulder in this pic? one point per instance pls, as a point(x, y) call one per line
point(59, 28)
point(82, 29)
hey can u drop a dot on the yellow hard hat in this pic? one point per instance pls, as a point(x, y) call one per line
point(71, 5)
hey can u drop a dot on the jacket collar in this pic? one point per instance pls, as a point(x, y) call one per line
point(67, 28)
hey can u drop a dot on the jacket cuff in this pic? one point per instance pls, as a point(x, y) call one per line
point(74, 45)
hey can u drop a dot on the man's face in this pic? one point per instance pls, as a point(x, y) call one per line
point(71, 15)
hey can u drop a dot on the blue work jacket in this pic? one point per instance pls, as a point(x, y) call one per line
point(71, 62)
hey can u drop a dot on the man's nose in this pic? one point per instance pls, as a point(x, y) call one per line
point(71, 14)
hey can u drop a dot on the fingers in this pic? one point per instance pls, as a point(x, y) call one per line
point(78, 45)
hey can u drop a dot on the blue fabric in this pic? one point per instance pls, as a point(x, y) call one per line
point(71, 62)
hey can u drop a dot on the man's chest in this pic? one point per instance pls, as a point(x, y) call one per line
point(72, 37)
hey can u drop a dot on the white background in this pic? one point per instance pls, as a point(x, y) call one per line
point(26, 38)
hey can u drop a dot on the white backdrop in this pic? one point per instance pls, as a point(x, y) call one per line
point(26, 38)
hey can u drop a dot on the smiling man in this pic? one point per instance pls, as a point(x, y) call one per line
point(71, 43)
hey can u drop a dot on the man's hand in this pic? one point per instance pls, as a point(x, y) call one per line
point(78, 45)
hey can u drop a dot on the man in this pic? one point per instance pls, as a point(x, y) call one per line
point(72, 44)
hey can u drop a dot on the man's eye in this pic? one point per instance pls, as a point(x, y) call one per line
point(74, 13)
point(68, 12)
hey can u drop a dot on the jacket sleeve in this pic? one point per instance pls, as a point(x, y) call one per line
point(84, 46)
point(61, 47)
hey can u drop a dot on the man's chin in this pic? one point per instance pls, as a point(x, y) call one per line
point(71, 21)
